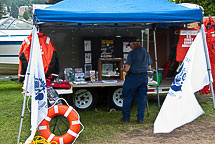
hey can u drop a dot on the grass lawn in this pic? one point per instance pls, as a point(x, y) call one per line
point(100, 125)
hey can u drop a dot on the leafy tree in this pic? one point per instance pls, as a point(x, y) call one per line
point(1, 10)
point(14, 10)
point(26, 15)
point(208, 5)
point(8, 9)
point(39, 1)
point(6, 2)
point(30, 12)
point(22, 3)
point(53, 1)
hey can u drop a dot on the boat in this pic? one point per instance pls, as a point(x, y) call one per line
point(12, 33)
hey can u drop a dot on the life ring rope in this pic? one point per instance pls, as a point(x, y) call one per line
point(58, 100)
point(66, 114)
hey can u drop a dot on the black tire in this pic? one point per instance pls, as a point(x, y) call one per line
point(115, 98)
point(84, 99)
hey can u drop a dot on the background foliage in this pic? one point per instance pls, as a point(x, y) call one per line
point(13, 5)
point(208, 5)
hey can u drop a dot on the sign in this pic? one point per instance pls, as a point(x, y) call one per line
point(186, 38)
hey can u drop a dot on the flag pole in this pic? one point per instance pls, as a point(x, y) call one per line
point(22, 115)
point(24, 101)
point(208, 62)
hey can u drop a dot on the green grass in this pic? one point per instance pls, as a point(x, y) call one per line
point(11, 101)
point(101, 126)
point(6, 84)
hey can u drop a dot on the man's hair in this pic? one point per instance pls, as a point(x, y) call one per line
point(136, 44)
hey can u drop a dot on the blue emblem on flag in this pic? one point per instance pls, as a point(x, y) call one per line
point(179, 79)
point(39, 86)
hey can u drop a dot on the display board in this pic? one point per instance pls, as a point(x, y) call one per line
point(105, 47)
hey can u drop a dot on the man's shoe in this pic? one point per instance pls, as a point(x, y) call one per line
point(140, 121)
point(125, 121)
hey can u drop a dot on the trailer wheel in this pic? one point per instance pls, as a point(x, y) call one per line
point(84, 99)
point(115, 98)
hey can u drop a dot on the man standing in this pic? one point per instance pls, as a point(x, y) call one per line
point(136, 82)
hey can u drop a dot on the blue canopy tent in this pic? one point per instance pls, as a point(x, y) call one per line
point(117, 12)
point(90, 12)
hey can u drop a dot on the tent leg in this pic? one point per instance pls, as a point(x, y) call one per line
point(142, 37)
point(156, 65)
point(147, 32)
point(208, 63)
point(147, 106)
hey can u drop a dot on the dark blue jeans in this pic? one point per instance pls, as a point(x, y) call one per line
point(134, 85)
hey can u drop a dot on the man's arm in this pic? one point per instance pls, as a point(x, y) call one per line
point(127, 68)
point(149, 67)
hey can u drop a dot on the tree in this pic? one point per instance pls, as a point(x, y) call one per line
point(14, 10)
point(30, 12)
point(208, 5)
point(22, 3)
point(26, 14)
point(53, 1)
point(1, 10)
point(39, 1)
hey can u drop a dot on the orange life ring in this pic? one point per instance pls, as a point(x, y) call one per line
point(73, 130)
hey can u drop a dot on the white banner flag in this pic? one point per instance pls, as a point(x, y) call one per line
point(35, 85)
point(181, 106)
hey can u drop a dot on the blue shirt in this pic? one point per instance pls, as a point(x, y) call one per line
point(139, 60)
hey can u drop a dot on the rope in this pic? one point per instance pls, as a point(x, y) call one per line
point(41, 140)
point(58, 100)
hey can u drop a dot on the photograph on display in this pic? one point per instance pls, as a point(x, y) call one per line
point(87, 45)
point(88, 57)
point(107, 48)
point(87, 67)
point(125, 57)
point(92, 75)
point(78, 70)
point(126, 48)
point(107, 68)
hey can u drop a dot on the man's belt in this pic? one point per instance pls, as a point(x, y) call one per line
point(143, 73)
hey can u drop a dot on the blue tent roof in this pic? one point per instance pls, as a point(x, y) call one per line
point(117, 11)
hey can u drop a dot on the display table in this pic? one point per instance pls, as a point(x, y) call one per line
point(64, 91)
point(84, 95)
point(96, 84)
point(106, 84)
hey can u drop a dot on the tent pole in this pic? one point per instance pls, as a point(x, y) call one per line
point(156, 65)
point(208, 62)
point(142, 36)
point(147, 32)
